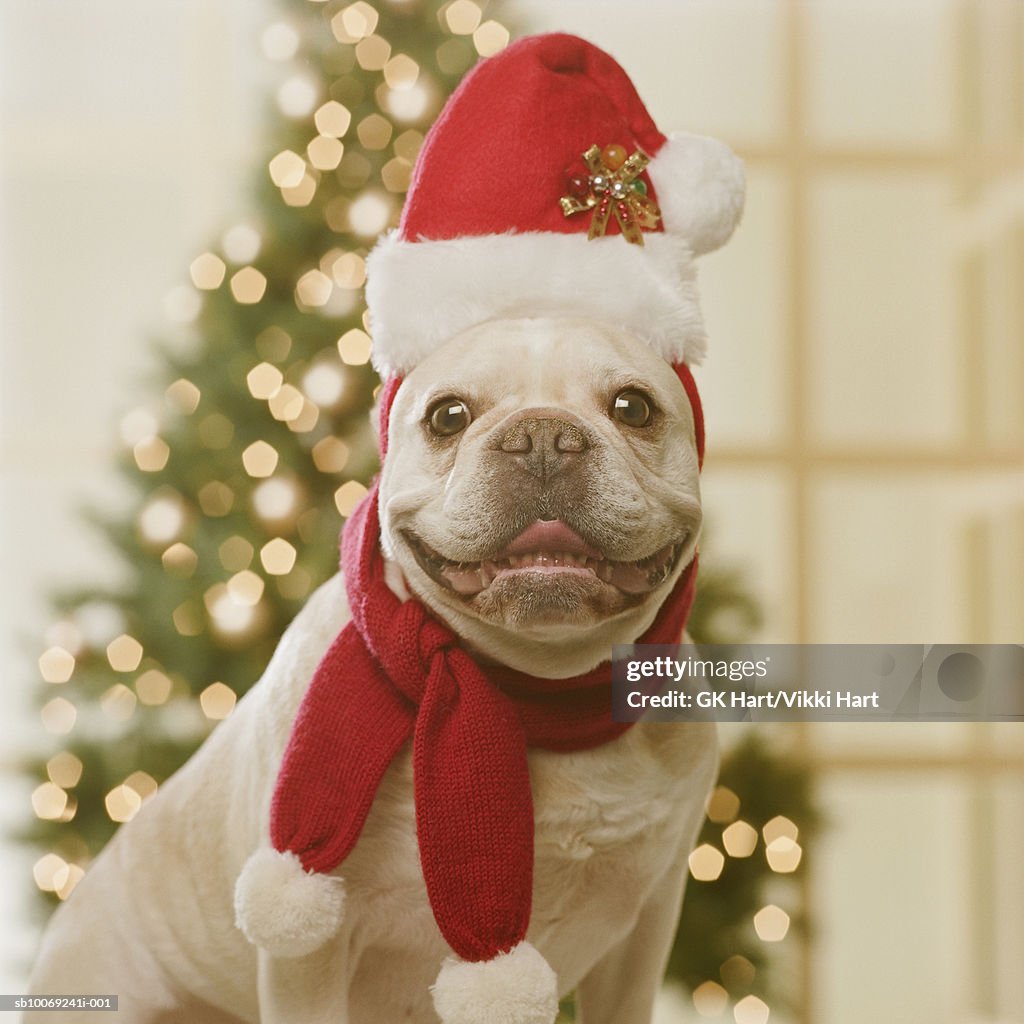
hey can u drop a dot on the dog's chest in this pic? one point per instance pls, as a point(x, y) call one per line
point(609, 823)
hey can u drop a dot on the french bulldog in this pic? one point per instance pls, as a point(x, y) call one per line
point(540, 496)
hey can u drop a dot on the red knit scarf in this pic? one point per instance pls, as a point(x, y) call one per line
point(395, 674)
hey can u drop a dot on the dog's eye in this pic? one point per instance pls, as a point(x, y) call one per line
point(448, 417)
point(632, 409)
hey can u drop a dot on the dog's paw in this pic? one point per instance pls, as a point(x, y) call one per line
point(284, 909)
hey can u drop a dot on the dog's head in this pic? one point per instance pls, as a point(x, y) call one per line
point(540, 491)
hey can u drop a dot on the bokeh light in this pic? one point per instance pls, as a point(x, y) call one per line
point(325, 383)
point(236, 553)
point(723, 805)
point(287, 169)
point(151, 454)
point(216, 499)
point(349, 270)
point(332, 119)
point(153, 687)
point(751, 1010)
point(706, 863)
point(259, 459)
point(780, 827)
point(264, 381)
point(771, 923)
point(50, 872)
point(710, 999)
point(64, 769)
point(56, 665)
point(490, 38)
point(124, 653)
point(287, 404)
point(217, 701)
point(348, 495)
point(463, 17)
point(330, 455)
point(401, 71)
point(241, 243)
point(280, 41)
point(739, 839)
point(325, 153)
point(183, 396)
point(246, 587)
point(369, 214)
point(118, 702)
point(49, 801)
point(374, 132)
point(122, 803)
point(354, 347)
point(278, 556)
point(275, 500)
point(297, 96)
point(207, 271)
point(355, 22)
point(58, 716)
point(248, 285)
point(179, 560)
point(784, 855)
point(313, 288)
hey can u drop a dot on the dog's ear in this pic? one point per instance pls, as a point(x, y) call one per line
point(700, 186)
point(380, 415)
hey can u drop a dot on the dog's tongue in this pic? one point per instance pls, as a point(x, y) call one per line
point(549, 535)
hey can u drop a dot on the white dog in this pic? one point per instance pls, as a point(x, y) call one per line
point(539, 497)
point(153, 920)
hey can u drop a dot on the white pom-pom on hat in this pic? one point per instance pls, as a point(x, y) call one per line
point(517, 987)
point(284, 909)
point(701, 186)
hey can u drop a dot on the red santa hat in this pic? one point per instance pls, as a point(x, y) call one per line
point(542, 160)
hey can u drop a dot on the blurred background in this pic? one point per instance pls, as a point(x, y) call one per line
point(181, 297)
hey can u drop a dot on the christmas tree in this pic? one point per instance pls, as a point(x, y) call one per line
point(265, 443)
point(263, 447)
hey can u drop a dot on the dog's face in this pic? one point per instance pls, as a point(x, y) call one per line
point(540, 491)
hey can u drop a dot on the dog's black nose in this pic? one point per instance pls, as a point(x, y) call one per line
point(544, 445)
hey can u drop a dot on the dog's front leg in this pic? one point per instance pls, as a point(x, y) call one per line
point(305, 990)
point(621, 987)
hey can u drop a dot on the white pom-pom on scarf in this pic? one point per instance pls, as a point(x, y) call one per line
point(285, 909)
point(517, 987)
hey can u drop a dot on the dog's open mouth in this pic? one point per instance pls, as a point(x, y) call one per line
point(550, 548)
